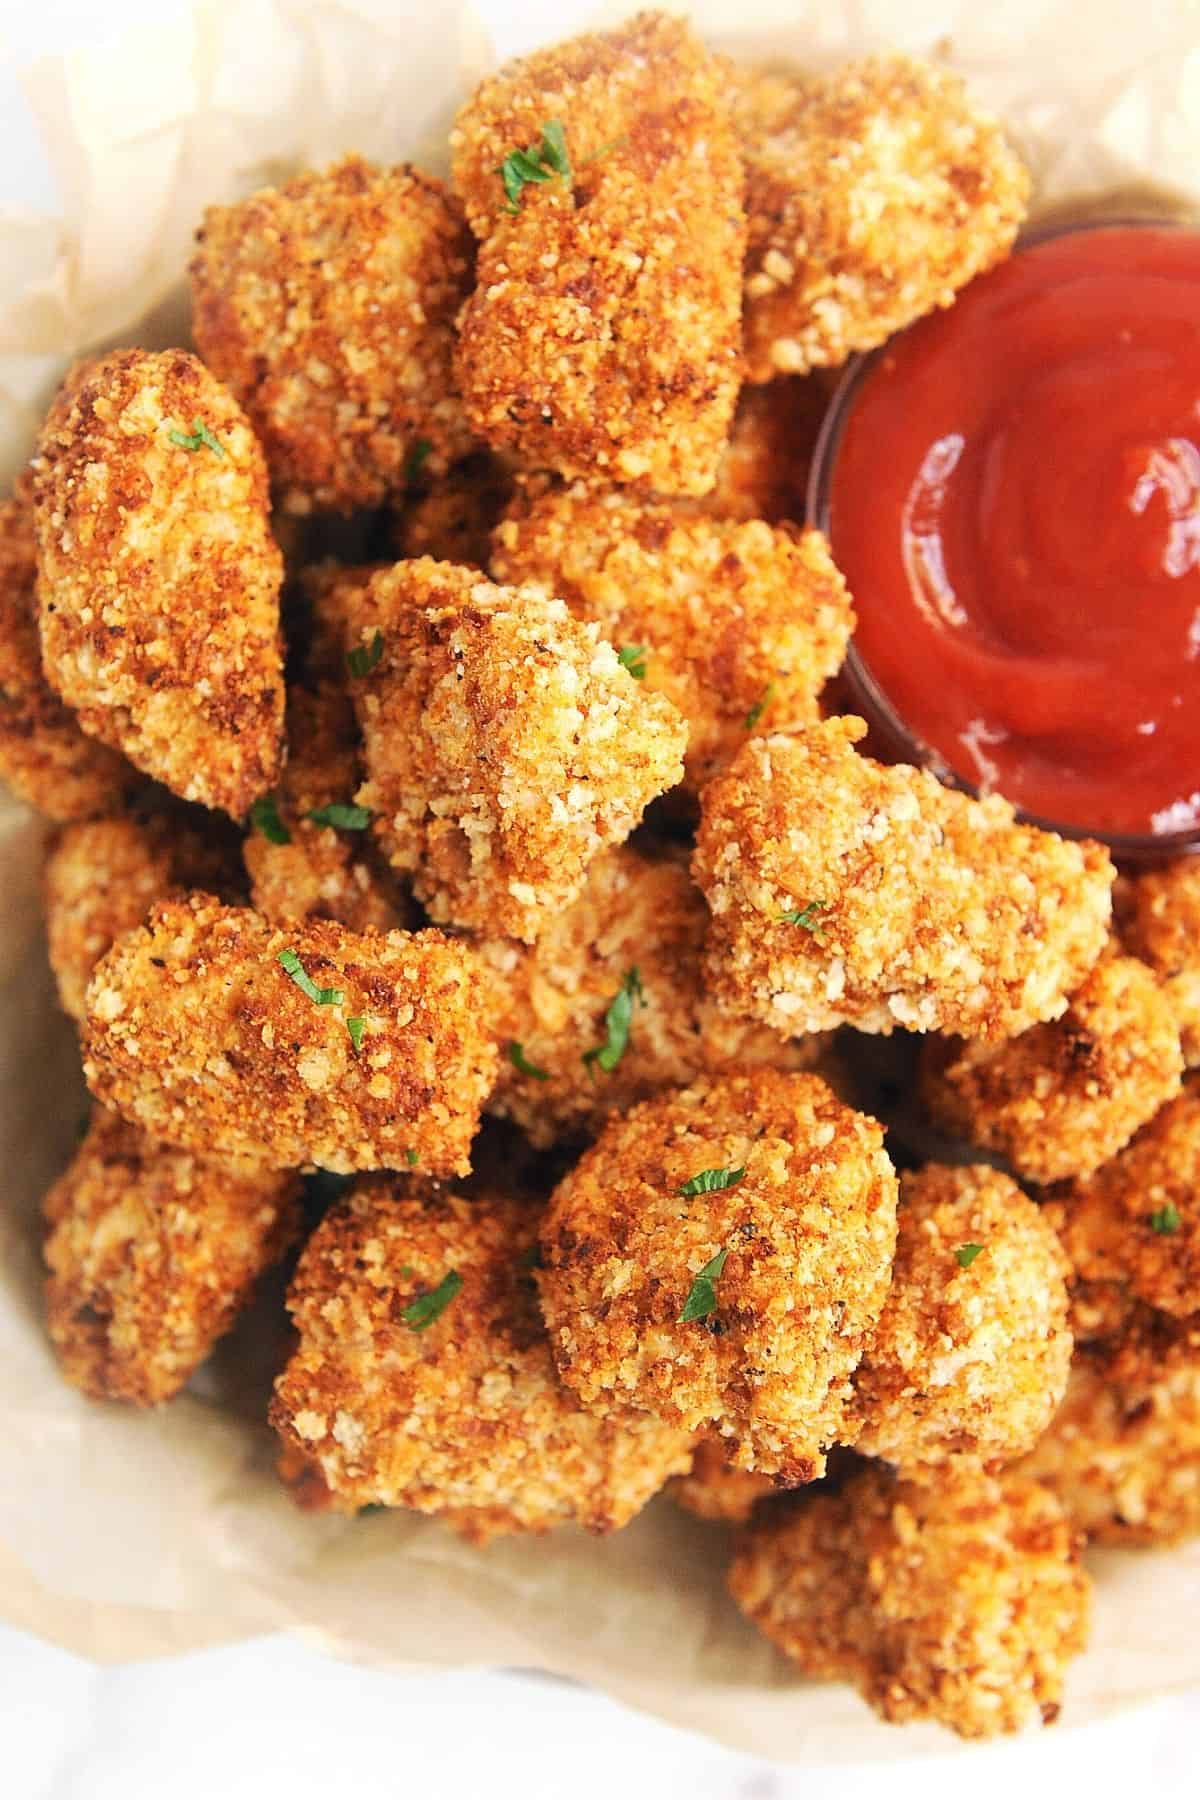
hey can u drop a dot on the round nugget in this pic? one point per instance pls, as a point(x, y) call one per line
point(1137, 1219)
point(505, 745)
point(972, 1348)
point(1062, 1098)
point(961, 1601)
point(719, 1257)
point(714, 1489)
point(158, 577)
point(423, 1376)
point(844, 892)
point(152, 1254)
point(297, 1045)
point(878, 193)
point(1161, 924)
point(738, 624)
point(327, 305)
point(630, 942)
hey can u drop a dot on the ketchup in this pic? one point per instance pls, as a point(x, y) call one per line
point(1015, 503)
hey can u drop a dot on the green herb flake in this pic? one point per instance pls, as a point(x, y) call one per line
point(965, 1255)
point(617, 1021)
point(760, 706)
point(1166, 1220)
point(342, 816)
point(522, 1064)
point(199, 436)
point(373, 1506)
point(702, 1297)
point(633, 658)
point(364, 657)
point(804, 915)
point(417, 457)
point(541, 162)
point(356, 1025)
point(422, 1311)
point(711, 1181)
point(265, 819)
point(291, 964)
point(411, 1158)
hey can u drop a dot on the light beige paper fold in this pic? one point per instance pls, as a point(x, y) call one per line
point(124, 1535)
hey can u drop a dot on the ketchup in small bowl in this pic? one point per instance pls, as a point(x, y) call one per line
point(1012, 490)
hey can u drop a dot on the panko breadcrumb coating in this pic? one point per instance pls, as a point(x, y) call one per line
point(844, 892)
point(102, 876)
point(740, 625)
point(452, 519)
point(637, 913)
point(45, 758)
point(714, 1489)
point(603, 335)
point(972, 1348)
point(1062, 1098)
point(327, 305)
point(806, 1224)
point(463, 1415)
point(764, 471)
point(505, 746)
point(882, 191)
point(158, 577)
point(1161, 924)
point(198, 1033)
point(1137, 1219)
point(152, 1253)
point(961, 1600)
point(1123, 1451)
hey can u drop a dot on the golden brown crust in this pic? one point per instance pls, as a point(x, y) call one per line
point(878, 193)
point(152, 1253)
point(452, 518)
point(965, 1360)
point(1161, 924)
point(327, 305)
point(158, 577)
point(603, 334)
point(932, 910)
point(195, 1031)
point(961, 1601)
point(713, 1489)
point(808, 1231)
point(764, 471)
point(465, 1417)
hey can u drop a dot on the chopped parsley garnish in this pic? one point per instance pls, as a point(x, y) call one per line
point(804, 915)
point(541, 162)
point(198, 436)
point(1166, 1219)
point(522, 1064)
point(617, 1021)
point(411, 1158)
point(633, 658)
point(711, 1181)
point(422, 1311)
point(417, 457)
point(364, 657)
point(760, 706)
point(341, 815)
point(356, 1025)
point(965, 1255)
point(372, 1506)
point(702, 1297)
point(290, 962)
point(265, 819)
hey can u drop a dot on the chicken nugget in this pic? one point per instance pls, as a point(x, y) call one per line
point(327, 305)
point(505, 745)
point(961, 1601)
point(423, 1377)
point(872, 200)
point(719, 1258)
point(765, 468)
point(152, 1253)
point(740, 625)
point(1137, 1219)
point(972, 1348)
point(45, 758)
point(1161, 923)
point(158, 577)
point(608, 1007)
point(297, 1045)
point(452, 519)
point(603, 335)
point(844, 892)
point(714, 1489)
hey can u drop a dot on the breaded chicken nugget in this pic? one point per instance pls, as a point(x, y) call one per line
point(1123, 1451)
point(714, 1489)
point(740, 625)
point(452, 519)
point(844, 892)
point(719, 1257)
point(423, 1377)
point(961, 1600)
point(1062, 1098)
point(44, 756)
point(603, 334)
point(103, 875)
point(1161, 924)
point(880, 193)
point(1137, 1219)
point(972, 1348)
point(293, 1045)
point(152, 1253)
point(158, 577)
point(505, 745)
point(764, 471)
point(608, 1007)
point(327, 305)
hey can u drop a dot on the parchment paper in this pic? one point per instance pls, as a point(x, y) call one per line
point(125, 1535)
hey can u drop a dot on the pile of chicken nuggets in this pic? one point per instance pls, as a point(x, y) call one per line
point(425, 679)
